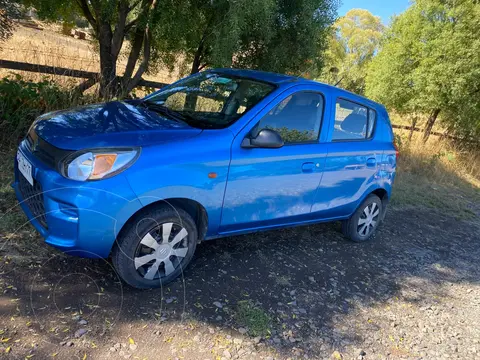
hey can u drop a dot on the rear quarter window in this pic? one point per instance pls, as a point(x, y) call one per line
point(353, 121)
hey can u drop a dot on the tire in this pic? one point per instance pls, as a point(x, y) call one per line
point(361, 226)
point(142, 257)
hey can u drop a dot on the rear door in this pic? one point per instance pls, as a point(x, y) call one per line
point(353, 159)
point(269, 187)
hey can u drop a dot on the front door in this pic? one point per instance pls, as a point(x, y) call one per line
point(269, 187)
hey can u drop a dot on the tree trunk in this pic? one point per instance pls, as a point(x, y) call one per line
point(429, 126)
point(108, 62)
point(414, 124)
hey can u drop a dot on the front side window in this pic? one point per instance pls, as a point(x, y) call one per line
point(211, 100)
point(353, 121)
point(297, 118)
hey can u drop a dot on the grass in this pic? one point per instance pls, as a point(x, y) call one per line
point(438, 175)
point(51, 47)
point(254, 319)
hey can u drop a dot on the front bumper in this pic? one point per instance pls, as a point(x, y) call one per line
point(80, 218)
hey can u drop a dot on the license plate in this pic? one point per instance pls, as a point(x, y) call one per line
point(25, 167)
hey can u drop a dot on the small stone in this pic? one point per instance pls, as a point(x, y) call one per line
point(242, 331)
point(237, 341)
point(63, 343)
point(117, 346)
point(227, 354)
point(211, 330)
point(133, 347)
point(83, 322)
point(219, 318)
point(112, 349)
point(69, 343)
point(362, 353)
point(311, 278)
point(170, 300)
point(257, 339)
point(76, 318)
point(218, 304)
point(80, 332)
point(277, 340)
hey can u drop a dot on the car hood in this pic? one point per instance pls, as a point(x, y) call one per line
point(109, 124)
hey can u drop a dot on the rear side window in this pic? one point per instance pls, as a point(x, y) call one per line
point(353, 121)
point(297, 118)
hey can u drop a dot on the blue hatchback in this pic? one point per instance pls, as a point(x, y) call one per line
point(218, 153)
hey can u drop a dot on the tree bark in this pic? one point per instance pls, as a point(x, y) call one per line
point(108, 62)
point(429, 126)
point(414, 124)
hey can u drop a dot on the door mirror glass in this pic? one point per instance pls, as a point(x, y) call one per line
point(266, 138)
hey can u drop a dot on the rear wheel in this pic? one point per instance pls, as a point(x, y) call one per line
point(365, 220)
point(155, 247)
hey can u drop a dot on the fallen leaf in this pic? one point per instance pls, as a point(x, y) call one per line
point(131, 341)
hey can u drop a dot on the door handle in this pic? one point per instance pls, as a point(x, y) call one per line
point(371, 162)
point(308, 167)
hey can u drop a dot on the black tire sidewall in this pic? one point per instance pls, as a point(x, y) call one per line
point(350, 227)
point(126, 244)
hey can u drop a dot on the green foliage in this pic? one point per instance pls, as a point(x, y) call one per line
point(352, 45)
point(253, 318)
point(22, 101)
point(430, 59)
point(273, 35)
point(294, 135)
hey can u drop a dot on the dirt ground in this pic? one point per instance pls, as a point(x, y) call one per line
point(413, 292)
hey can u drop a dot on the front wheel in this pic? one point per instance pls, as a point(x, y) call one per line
point(365, 220)
point(155, 247)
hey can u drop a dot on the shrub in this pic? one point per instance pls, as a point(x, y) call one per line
point(22, 101)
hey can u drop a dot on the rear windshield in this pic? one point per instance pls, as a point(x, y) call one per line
point(212, 100)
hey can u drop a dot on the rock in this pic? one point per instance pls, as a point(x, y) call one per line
point(112, 349)
point(311, 278)
point(219, 318)
point(69, 343)
point(237, 341)
point(277, 340)
point(257, 339)
point(63, 343)
point(227, 354)
point(76, 318)
point(362, 353)
point(83, 322)
point(117, 346)
point(170, 300)
point(133, 347)
point(211, 330)
point(242, 331)
point(80, 332)
point(218, 304)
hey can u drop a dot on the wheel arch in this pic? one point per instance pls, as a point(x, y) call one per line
point(196, 210)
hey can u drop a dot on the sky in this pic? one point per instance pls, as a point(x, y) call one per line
point(383, 8)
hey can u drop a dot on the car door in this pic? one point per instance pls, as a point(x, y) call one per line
point(268, 187)
point(352, 163)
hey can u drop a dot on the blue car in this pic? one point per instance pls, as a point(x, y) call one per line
point(219, 153)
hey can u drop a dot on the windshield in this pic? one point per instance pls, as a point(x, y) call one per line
point(211, 100)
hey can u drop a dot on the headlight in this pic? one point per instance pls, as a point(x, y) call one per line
point(99, 163)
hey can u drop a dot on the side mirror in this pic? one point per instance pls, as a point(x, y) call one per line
point(266, 138)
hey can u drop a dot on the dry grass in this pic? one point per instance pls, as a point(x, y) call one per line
point(438, 174)
point(50, 47)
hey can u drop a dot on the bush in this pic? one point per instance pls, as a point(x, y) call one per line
point(22, 101)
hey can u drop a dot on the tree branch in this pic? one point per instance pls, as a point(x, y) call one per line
point(144, 64)
point(119, 33)
point(88, 14)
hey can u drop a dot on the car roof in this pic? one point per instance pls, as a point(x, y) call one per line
point(278, 79)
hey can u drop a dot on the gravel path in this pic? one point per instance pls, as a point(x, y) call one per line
point(304, 292)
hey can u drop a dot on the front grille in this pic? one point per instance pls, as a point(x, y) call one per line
point(41, 149)
point(33, 197)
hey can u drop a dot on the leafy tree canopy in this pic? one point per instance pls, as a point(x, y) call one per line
point(275, 35)
point(429, 64)
point(352, 45)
